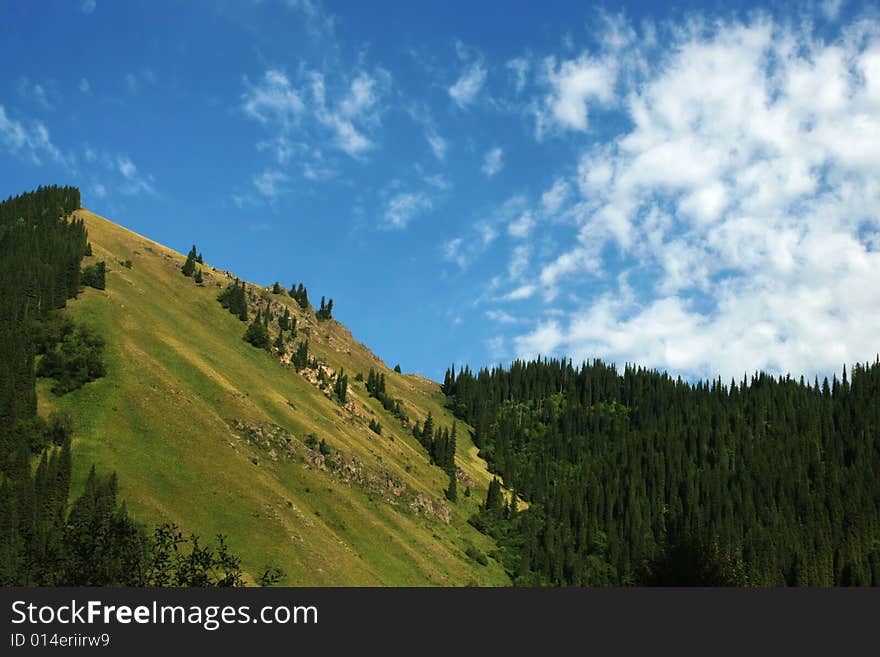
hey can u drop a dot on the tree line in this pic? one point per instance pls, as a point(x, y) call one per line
point(641, 478)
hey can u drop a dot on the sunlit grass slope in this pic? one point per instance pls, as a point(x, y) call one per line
point(181, 383)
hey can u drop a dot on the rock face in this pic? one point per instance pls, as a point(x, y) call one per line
point(275, 444)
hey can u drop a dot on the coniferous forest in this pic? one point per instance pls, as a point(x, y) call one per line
point(639, 478)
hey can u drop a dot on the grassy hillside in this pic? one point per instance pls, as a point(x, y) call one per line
point(209, 432)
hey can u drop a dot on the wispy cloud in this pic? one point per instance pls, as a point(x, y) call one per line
point(493, 161)
point(31, 141)
point(134, 181)
point(342, 117)
point(87, 6)
point(465, 90)
point(404, 207)
point(268, 183)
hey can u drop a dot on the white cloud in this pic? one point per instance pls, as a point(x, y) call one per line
point(268, 183)
point(519, 70)
point(501, 317)
point(831, 8)
point(135, 183)
point(573, 85)
point(743, 197)
point(273, 98)
point(522, 225)
point(319, 22)
point(453, 253)
point(543, 341)
point(493, 161)
point(469, 84)
point(520, 293)
point(519, 261)
point(345, 113)
point(99, 190)
point(87, 6)
point(403, 207)
point(438, 145)
point(32, 142)
point(554, 198)
point(84, 86)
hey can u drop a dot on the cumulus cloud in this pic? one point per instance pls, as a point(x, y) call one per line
point(493, 161)
point(469, 84)
point(743, 195)
point(405, 206)
point(573, 84)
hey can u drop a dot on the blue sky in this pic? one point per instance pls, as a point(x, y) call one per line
point(695, 189)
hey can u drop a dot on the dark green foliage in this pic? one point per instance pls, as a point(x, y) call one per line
point(75, 361)
point(340, 388)
point(276, 288)
point(494, 498)
point(301, 295)
point(452, 490)
point(198, 278)
point(234, 299)
point(126, 263)
point(95, 275)
point(324, 448)
point(279, 343)
point(397, 369)
point(88, 250)
point(177, 561)
point(636, 477)
point(257, 334)
point(200, 259)
point(376, 426)
point(376, 389)
point(300, 358)
point(325, 311)
point(477, 555)
point(359, 376)
point(270, 576)
point(189, 267)
point(284, 320)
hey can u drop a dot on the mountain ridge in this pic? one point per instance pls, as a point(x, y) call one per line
point(189, 415)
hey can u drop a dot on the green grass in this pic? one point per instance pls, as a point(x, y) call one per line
point(178, 372)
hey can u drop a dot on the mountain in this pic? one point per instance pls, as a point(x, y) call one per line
point(206, 431)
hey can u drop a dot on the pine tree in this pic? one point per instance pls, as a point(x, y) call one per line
point(452, 491)
point(276, 288)
point(257, 334)
point(190, 265)
point(494, 498)
point(198, 277)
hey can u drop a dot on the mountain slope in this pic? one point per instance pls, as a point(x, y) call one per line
point(209, 432)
